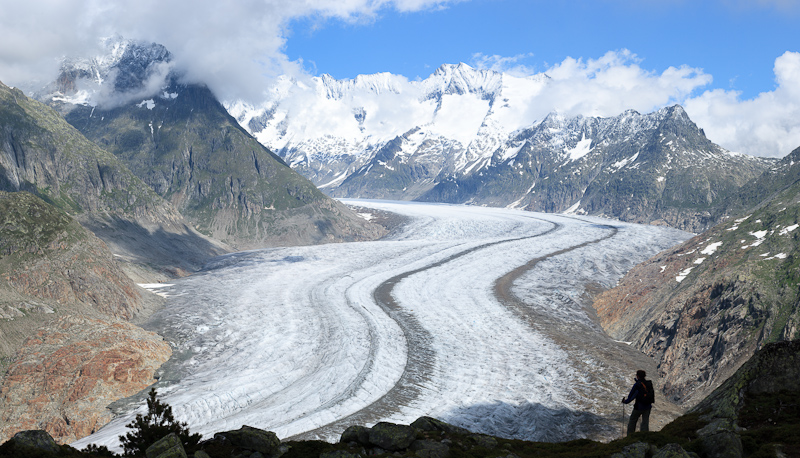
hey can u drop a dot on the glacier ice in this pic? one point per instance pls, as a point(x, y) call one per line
point(301, 341)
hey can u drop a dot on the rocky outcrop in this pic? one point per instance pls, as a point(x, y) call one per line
point(704, 307)
point(42, 154)
point(50, 266)
point(758, 402)
point(425, 437)
point(256, 440)
point(67, 373)
point(167, 447)
point(188, 149)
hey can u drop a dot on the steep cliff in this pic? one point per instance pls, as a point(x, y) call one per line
point(704, 307)
point(42, 154)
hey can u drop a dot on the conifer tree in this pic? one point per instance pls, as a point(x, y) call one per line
point(158, 423)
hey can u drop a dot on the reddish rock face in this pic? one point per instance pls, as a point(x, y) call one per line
point(66, 375)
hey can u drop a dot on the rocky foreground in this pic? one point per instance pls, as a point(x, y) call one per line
point(754, 413)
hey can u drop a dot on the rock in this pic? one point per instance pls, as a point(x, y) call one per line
point(355, 433)
point(432, 424)
point(68, 372)
point(37, 439)
point(392, 437)
point(635, 450)
point(169, 446)
point(672, 451)
point(482, 440)
point(430, 449)
point(51, 266)
point(338, 454)
point(257, 440)
point(201, 454)
point(725, 444)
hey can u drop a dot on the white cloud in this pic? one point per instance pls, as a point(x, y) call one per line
point(767, 125)
point(614, 83)
point(234, 47)
point(503, 64)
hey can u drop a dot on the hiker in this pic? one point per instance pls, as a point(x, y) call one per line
point(642, 392)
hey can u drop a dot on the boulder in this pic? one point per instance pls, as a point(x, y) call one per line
point(432, 424)
point(355, 433)
point(169, 446)
point(672, 451)
point(724, 444)
point(430, 449)
point(254, 439)
point(38, 439)
point(392, 437)
point(635, 450)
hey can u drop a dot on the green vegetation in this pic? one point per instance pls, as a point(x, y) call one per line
point(194, 154)
point(30, 228)
point(54, 161)
point(156, 424)
point(769, 420)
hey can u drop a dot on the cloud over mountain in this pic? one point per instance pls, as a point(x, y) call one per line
point(239, 49)
point(234, 47)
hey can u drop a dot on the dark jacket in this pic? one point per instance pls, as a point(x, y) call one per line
point(638, 388)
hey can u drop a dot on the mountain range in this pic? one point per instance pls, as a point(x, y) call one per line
point(183, 144)
point(469, 136)
point(702, 308)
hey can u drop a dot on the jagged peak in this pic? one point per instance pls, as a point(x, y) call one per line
point(377, 83)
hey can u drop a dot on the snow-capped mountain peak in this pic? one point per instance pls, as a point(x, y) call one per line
point(128, 69)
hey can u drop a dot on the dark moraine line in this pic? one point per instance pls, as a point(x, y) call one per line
point(420, 357)
point(502, 287)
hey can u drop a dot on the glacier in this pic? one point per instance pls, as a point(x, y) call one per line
point(477, 316)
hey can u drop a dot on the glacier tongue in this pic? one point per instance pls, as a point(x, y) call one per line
point(301, 340)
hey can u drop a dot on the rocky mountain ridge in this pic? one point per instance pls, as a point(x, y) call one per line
point(704, 307)
point(468, 136)
point(462, 135)
point(66, 348)
point(180, 141)
point(42, 154)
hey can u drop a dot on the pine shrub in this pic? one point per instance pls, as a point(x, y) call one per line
point(158, 423)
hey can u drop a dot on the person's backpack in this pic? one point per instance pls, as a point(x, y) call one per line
point(646, 396)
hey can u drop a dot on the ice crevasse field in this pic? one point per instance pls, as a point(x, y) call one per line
point(477, 316)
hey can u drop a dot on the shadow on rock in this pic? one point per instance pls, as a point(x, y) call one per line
point(533, 422)
point(173, 251)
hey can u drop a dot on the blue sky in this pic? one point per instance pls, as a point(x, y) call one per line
point(733, 64)
point(737, 44)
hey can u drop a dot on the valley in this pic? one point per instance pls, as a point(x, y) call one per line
point(305, 341)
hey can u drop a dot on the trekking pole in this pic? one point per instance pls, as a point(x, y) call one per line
point(622, 423)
